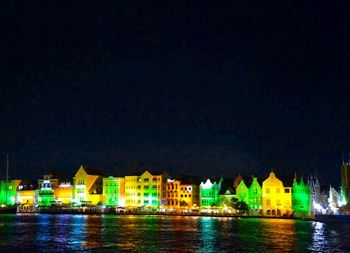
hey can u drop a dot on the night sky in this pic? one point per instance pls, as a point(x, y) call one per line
point(204, 90)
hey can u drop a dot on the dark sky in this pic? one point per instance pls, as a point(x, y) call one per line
point(204, 90)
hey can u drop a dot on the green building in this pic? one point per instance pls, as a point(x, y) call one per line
point(8, 191)
point(242, 192)
point(301, 198)
point(255, 197)
point(113, 191)
point(46, 189)
point(209, 193)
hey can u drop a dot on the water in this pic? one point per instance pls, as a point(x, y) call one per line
point(110, 233)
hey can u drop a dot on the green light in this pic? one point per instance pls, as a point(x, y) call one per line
point(301, 198)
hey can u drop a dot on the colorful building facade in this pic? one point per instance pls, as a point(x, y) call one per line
point(64, 193)
point(173, 193)
point(277, 199)
point(146, 189)
point(301, 198)
point(209, 193)
point(8, 192)
point(46, 189)
point(87, 187)
point(114, 191)
point(255, 197)
point(242, 192)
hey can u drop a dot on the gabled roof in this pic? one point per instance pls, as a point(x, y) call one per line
point(93, 171)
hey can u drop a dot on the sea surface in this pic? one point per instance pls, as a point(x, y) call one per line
point(128, 233)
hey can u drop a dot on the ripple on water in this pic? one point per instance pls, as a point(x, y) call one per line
point(55, 233)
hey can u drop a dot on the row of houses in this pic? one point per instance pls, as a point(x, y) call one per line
point(89, 187)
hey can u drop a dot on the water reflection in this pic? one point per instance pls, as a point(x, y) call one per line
point(109, 233)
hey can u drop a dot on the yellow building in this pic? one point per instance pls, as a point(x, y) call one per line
point(87, 186)
point(277, 199)
point(133, 191)
point(146, 189)
point(189, 195)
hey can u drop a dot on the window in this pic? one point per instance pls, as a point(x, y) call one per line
point(278, 190)
point(267, 190)
point(286, 190)
point(268, 202)
point(146, 179)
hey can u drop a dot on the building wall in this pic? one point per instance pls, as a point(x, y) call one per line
point(173, 193)
point(255, 197)
point(209, 193)
point(83, 188)
point(277, 199)
point(113, 191)
point(301, 198)
point(63, 193)
point(8, 191)
point(189, 195)
point(46, 189)
point(133, 191)
point(242, 192)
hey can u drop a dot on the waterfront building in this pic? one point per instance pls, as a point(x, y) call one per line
point(146, 189)
point(173, 193)
point(63, 193)
point(209, 193)
point(226, 197)
point(277, 199)
point(333, 201)
point(27, 195)
point(46, 189)
point(114, 191)
point(133, 190)
point(345, 181)
point(242, 192)
point(255, 197)
point(87, 186)
point(8, 191)
point(301, 198)
point(189, 195)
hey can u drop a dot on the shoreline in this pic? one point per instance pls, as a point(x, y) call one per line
point(76, 212)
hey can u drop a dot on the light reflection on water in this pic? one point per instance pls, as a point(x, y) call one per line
point(108, 233)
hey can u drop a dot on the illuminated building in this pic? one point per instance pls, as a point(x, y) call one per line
point(8, 191)
point(146, 189)
point(189, 195)
point(173, 193)
point(319, 199)
point(226, 197)
point(333, 201)
point(46, 189)
point(133, 191)
point(87, 186)
point(114, 191)
point(301, 198)
point(209, 193)
point(183, 191)
point(277, 199)
point(27, 195)
point(63, 193)
point(255, 197)
point(345, 181)
point(242, 192)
